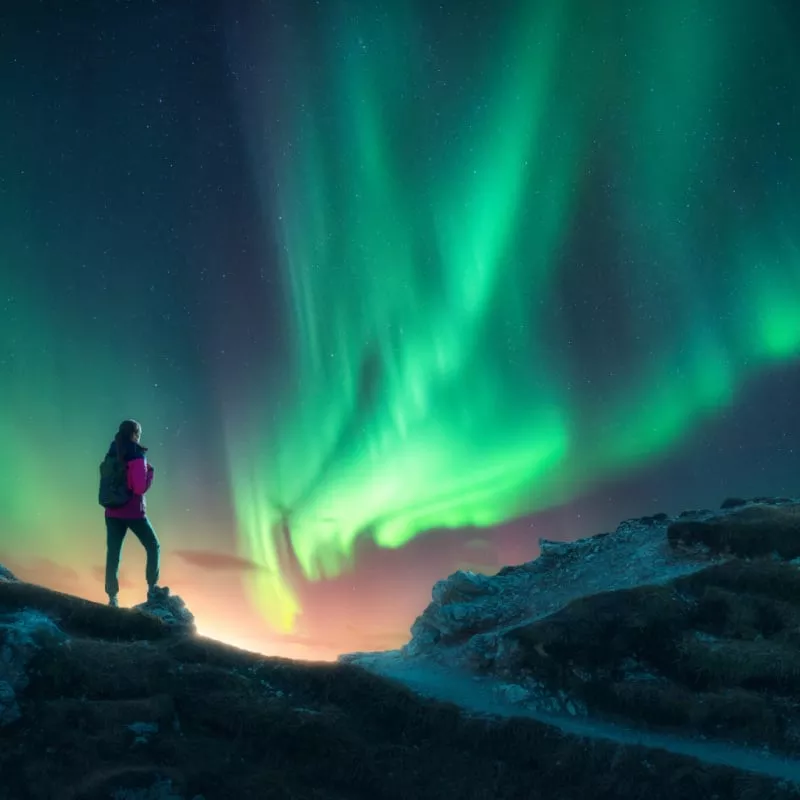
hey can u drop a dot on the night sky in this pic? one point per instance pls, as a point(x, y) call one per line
point(394, 288)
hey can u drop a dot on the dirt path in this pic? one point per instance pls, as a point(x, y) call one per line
point(481, 698)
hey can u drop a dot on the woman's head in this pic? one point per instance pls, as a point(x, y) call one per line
point(129, 431)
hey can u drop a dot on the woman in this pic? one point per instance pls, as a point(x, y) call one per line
point(125, 477)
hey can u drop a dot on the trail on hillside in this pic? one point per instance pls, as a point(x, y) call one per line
point(482, 697)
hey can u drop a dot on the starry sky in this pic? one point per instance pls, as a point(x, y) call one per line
point(394, 288)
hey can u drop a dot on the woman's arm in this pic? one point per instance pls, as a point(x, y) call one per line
point(140, 475)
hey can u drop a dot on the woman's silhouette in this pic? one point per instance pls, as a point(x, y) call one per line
point(125, 477)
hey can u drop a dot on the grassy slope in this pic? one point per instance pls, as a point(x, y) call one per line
point(234, 725)
point(715, 653)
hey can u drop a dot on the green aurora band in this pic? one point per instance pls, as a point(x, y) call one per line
point(425, 202)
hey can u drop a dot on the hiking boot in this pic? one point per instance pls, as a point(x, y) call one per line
point(112, 601)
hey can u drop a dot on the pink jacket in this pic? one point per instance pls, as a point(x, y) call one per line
point(140, 478)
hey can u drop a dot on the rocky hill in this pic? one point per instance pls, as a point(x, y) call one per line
point(660, 661)
point(682, 631)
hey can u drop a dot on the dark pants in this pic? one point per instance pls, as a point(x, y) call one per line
point(115, 536)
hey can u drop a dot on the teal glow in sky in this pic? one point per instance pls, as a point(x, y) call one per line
point(393, 287)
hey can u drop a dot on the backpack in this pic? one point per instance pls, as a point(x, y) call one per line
point(114, 491)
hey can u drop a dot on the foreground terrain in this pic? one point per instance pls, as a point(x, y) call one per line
point(659, 661)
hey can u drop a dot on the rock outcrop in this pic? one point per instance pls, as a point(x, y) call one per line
point(688, 625)
point(170, 609)
point(6, 574)
point(22, 634)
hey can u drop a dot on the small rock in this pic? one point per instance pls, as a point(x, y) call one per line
point(655, 519)
point(171, 609)
point(142, 728)
point(162, 790)
point(733, 502)
point(460, 586)
point(143, 731)
point(512, 693)
point(548, 547)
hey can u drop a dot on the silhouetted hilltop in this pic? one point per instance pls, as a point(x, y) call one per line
point(105, 703)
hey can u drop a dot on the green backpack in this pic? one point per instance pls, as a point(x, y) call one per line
point(114, 491)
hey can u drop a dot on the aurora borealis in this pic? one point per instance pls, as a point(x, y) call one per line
point(392, 288)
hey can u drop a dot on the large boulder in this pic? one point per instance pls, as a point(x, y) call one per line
point(22, 634)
